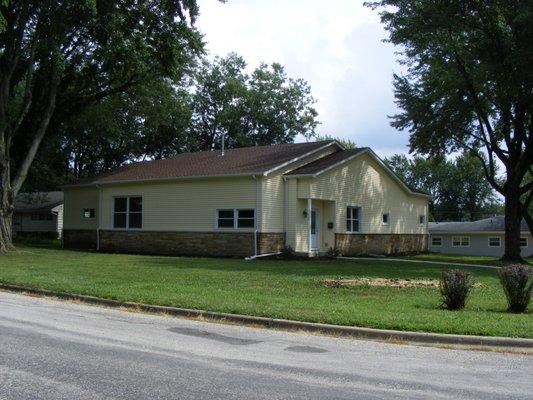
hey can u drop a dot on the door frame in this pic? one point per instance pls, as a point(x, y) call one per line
point(317, 235)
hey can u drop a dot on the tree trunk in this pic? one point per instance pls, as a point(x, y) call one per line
point(513, 217)
point(6, 220)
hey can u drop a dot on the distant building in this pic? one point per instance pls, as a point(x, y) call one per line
point(484, 237)
point(39, 213)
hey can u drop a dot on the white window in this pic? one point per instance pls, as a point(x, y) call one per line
point(89, 213)
point(352, 219)
point(127, 212)
point(436, 241)
point(236, 218)
point(495, 241)
point(385, 218)
point(523, 241)
point(422, 219)
point(460, 241)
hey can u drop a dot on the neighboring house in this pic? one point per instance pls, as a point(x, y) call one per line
point(39, 213)
point(249, 201)
point(484, 237)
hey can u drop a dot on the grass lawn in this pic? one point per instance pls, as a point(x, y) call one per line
point(461, 258)
point(283, 289)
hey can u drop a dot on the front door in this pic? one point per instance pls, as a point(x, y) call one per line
point(314, 228)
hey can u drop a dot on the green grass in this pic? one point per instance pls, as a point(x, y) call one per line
point(282, 289)
point(461, 258)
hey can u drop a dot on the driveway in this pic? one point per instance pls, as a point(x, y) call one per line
point(58, 350)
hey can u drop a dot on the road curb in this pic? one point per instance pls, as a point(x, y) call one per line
point(352, 331)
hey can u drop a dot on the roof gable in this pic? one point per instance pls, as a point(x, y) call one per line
point(318, 167)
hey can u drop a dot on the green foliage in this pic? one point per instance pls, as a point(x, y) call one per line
point(455, 286)
point(333, 252)
point(459, 188)
point(261, 108)
point(517, 282)
point(346, 143)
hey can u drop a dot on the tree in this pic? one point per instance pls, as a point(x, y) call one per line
point(346, 143)
point(58, 57)
point(262, 108)
point(468, 86)
point(458, 187)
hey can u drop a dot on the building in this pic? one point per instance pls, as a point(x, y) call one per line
point(249, 201)
point(39, 213)
point(484, 237)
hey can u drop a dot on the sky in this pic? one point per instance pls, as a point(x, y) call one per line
point(335, 46)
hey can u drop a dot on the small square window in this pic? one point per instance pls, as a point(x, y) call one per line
point(495, 241)
point(89, 213)
point(523, 241)
point(436, 241)
point(421, 219)
point(385, 218)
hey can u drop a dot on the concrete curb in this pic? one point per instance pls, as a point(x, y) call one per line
point(419, 262)
point(352, 331)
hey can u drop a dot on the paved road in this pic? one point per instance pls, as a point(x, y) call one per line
point(58, 350)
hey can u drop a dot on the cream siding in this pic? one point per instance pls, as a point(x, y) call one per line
point(76, 199)
point(273, 193)
point(22, 222)
point(363, 182)
point(182, 205)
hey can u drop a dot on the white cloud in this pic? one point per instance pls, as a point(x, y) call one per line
point(336, 47)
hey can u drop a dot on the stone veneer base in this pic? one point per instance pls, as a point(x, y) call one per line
point(359, 244)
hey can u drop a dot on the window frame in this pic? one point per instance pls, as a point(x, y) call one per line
point(494, 237)
point(421, 219)
point(127, 212)
point(388, 218)
point(359, 219)
point(236, 219)
point(436, 245)
point(525, 238)
point(460, 241)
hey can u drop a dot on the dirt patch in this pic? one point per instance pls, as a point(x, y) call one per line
point(384, 282)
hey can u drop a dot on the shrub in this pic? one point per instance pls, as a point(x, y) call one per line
point(287, 252)
point(455, 286)
point(333, 252)
point(517, 282)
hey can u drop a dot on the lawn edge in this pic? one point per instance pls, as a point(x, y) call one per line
point(426, 338)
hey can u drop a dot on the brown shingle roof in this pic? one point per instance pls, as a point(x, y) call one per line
point(241, 161)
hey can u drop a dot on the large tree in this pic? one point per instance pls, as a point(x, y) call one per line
point(468, 86)
point(58, 57)
point(261, 108)
point(458, 187)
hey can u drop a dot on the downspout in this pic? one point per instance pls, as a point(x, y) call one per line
point(309, 210)
point(256, 214)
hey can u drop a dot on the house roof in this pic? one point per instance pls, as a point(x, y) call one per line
point(235, 162)
point(324, 164)
point(492, 224)
point(38, 201)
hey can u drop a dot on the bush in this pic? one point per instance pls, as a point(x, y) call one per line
point(287, 252)
point(333, 252)
point(455, 286)
point(517, 282)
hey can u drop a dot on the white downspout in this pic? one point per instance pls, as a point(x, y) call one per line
point(309, 210)
point(256, 214)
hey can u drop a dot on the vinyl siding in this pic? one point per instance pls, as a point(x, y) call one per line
point(363, 182)
point(479, 244)
point(24, 223)
point(182, 205)
point(76, 199)
point(273, 193)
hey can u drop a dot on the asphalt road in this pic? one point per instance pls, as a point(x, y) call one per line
point(59, 350)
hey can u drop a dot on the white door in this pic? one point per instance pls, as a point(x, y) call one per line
point(315, 228)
